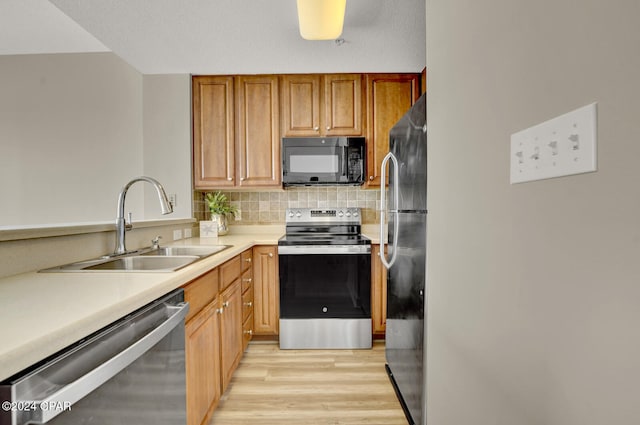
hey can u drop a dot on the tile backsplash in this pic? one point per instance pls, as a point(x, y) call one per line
point(268, 207)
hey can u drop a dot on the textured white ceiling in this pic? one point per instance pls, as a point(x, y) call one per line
point(229, 36)
point(37, 26)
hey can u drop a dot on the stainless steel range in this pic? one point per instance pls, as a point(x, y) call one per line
point(325, 280)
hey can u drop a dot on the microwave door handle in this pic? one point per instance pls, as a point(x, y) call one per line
point(345, 159)
point(394, 210)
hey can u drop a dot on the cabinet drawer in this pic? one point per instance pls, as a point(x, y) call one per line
point(247, 280)
point(229, 272)
point(247, 303)
point(201, 291)
point(247, 331)
point(247, 259)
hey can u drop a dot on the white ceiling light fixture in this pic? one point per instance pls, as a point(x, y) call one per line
point(321, 19)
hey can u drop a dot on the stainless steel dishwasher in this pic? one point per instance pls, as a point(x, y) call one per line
point(130, 372)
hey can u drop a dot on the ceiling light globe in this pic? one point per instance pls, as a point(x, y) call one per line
point(321, 19)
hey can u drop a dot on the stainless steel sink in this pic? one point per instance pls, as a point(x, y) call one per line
point(146, 263)
point(163, 259)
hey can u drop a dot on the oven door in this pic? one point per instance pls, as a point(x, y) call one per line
point(323, 282)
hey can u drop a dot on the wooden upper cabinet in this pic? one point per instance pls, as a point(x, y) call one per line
point(343, 102)
point(389, 97)
point(258, 131)
point(322, 105)
point(300, 100)
point(213, 132)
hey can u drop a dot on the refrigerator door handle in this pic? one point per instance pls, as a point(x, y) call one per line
point(394, 210)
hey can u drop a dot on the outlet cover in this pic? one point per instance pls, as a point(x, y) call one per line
point(561, 146)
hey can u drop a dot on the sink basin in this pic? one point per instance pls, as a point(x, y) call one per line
point(198, 251)
point(146, 263)
point(163, 259)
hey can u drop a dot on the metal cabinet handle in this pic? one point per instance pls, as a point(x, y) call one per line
point(241, 179)
point(328, 128)
point(247, 279)
point(230, 178)
point(316, 128)
point(225, 304)
point(219, 310)
point(271, 254)
point(370, 177)
point(248, 304)
point(249, 332)
point(248, 260)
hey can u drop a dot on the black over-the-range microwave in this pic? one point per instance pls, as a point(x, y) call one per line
point(310, 161)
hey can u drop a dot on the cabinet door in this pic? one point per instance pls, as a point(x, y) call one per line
point(389, 97)
point(300, 101)
point(230, 331)
point(378, 293)
point(343, 103)
point(202, 364)
point(213, 132)
point(258, 131)
point(266, 313)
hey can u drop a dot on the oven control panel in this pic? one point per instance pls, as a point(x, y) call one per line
point(323, 215)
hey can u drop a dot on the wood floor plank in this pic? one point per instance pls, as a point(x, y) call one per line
point(310, 387)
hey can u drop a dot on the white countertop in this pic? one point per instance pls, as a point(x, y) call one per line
point(42, 313)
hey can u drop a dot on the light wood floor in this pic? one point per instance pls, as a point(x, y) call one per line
point(310, 387)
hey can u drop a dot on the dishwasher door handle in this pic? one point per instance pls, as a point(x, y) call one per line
point(76, 390)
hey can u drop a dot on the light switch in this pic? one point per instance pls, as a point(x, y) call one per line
point(561, 146)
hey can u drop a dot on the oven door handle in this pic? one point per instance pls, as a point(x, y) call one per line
point(60, 401)
point(393, 210)
point(323, 249)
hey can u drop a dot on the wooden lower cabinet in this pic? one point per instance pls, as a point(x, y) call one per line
point(214, 337)
point(230, 331)
point(266, 310)
point(378, 293)
point(202, 346)
point(247, 297)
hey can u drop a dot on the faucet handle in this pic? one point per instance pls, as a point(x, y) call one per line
point(156, 242)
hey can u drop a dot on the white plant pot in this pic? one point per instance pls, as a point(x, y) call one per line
point(222, 223)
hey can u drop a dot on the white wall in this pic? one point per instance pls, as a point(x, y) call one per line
point(534, 289)
point(167, 141)
point(72, 133)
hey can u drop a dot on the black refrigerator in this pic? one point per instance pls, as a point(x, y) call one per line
point(404, 209)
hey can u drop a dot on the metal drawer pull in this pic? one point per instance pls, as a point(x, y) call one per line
point(248, 260)
point(248, 304)
point(225, 304)
point(247, 279)
point(249, 332)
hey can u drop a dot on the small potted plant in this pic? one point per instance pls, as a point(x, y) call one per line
point(220, 209)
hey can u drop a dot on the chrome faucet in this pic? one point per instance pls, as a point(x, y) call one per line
point(121, 225)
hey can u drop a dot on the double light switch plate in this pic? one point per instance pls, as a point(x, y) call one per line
point(562, 146)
